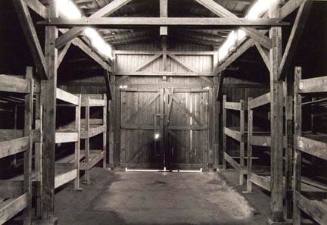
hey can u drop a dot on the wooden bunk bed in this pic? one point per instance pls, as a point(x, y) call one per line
point(315, 206)
point(67, 169)
point(238, 134)
point(16, 196)
point(91, 128)
point(256, 138)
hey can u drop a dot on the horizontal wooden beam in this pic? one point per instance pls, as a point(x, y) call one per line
point(312, 147)
point(180, 53)
point(10, 83)
point(233, 105)
point(313, 85)
point(164, 73)
point(259, 101)
point(14, 146)
point(11, 207)
point(67, 97)
point(133, 22)
point(66, 137)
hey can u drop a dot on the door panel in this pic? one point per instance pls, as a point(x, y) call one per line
point(179, 118)
point(139, 122)
point(187, 129)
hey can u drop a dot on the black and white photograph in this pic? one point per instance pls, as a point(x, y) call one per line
point(163, 112)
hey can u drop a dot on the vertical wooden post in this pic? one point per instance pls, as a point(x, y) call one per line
point(249, 148)
point(289, 92)
point(104, 143)
point(38, 156)
point(87, 139)
point(297, 154)
point(111, 106)
point(48, 100)
point(28, 153)
point(242, 141)
point(276, 91)
point(224, 136)
point(78, 143)
point(215, 120)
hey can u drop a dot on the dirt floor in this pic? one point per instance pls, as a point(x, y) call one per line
point(152, 198)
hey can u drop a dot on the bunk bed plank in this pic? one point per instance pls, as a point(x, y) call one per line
point(259, 101)
point(233, 133)
point(314, 208)
point(95, 156)
point(13, 146)
point(67, 97)
point(233, 105)
point(261, 181)
point(64, 174)
point(8, 134)
point(312, 147)
point(313, 85)
point(94, 131)
point(232, 162)
point(10, 83)
point(260, 140)
point(66, 137)
point(11, 188)
point(93, 102)
point(9, 208)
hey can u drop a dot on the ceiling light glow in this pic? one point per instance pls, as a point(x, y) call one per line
point(68, 9)
point(234, 37)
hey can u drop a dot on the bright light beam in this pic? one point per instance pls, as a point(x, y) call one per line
point(255, 12)
point(69, 10)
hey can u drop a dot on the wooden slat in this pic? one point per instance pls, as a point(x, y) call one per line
point(10, 83)
point(260, 101)
point(233, 105)
point(65, 177)
point(313, 85)
point(94, 157)
point(11, 188)
point(312, 147)
point(260, 141)
point(66, 137)
point(13, 146)
point(164, 73)
point(8, 134)
point(66, 97)
point(11, 207)
point(261, 181)
point(233, 134)
point(93, 131)
point(232, 161)
point(317, 210)
point(93, 102)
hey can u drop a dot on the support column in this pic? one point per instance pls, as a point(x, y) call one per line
point(276, 91)
point(48, 101)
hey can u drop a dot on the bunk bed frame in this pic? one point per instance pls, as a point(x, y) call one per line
point(238, 134)
point(315, 145)
point(68, 168)
point(91, 128)
point(256, 139)
point(16, 196)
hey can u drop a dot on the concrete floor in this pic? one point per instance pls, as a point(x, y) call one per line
point(151, 198)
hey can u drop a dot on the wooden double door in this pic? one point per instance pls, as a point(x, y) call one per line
point(166, 127)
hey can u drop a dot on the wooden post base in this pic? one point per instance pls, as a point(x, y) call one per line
point(50, 221)
point(270, 222)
